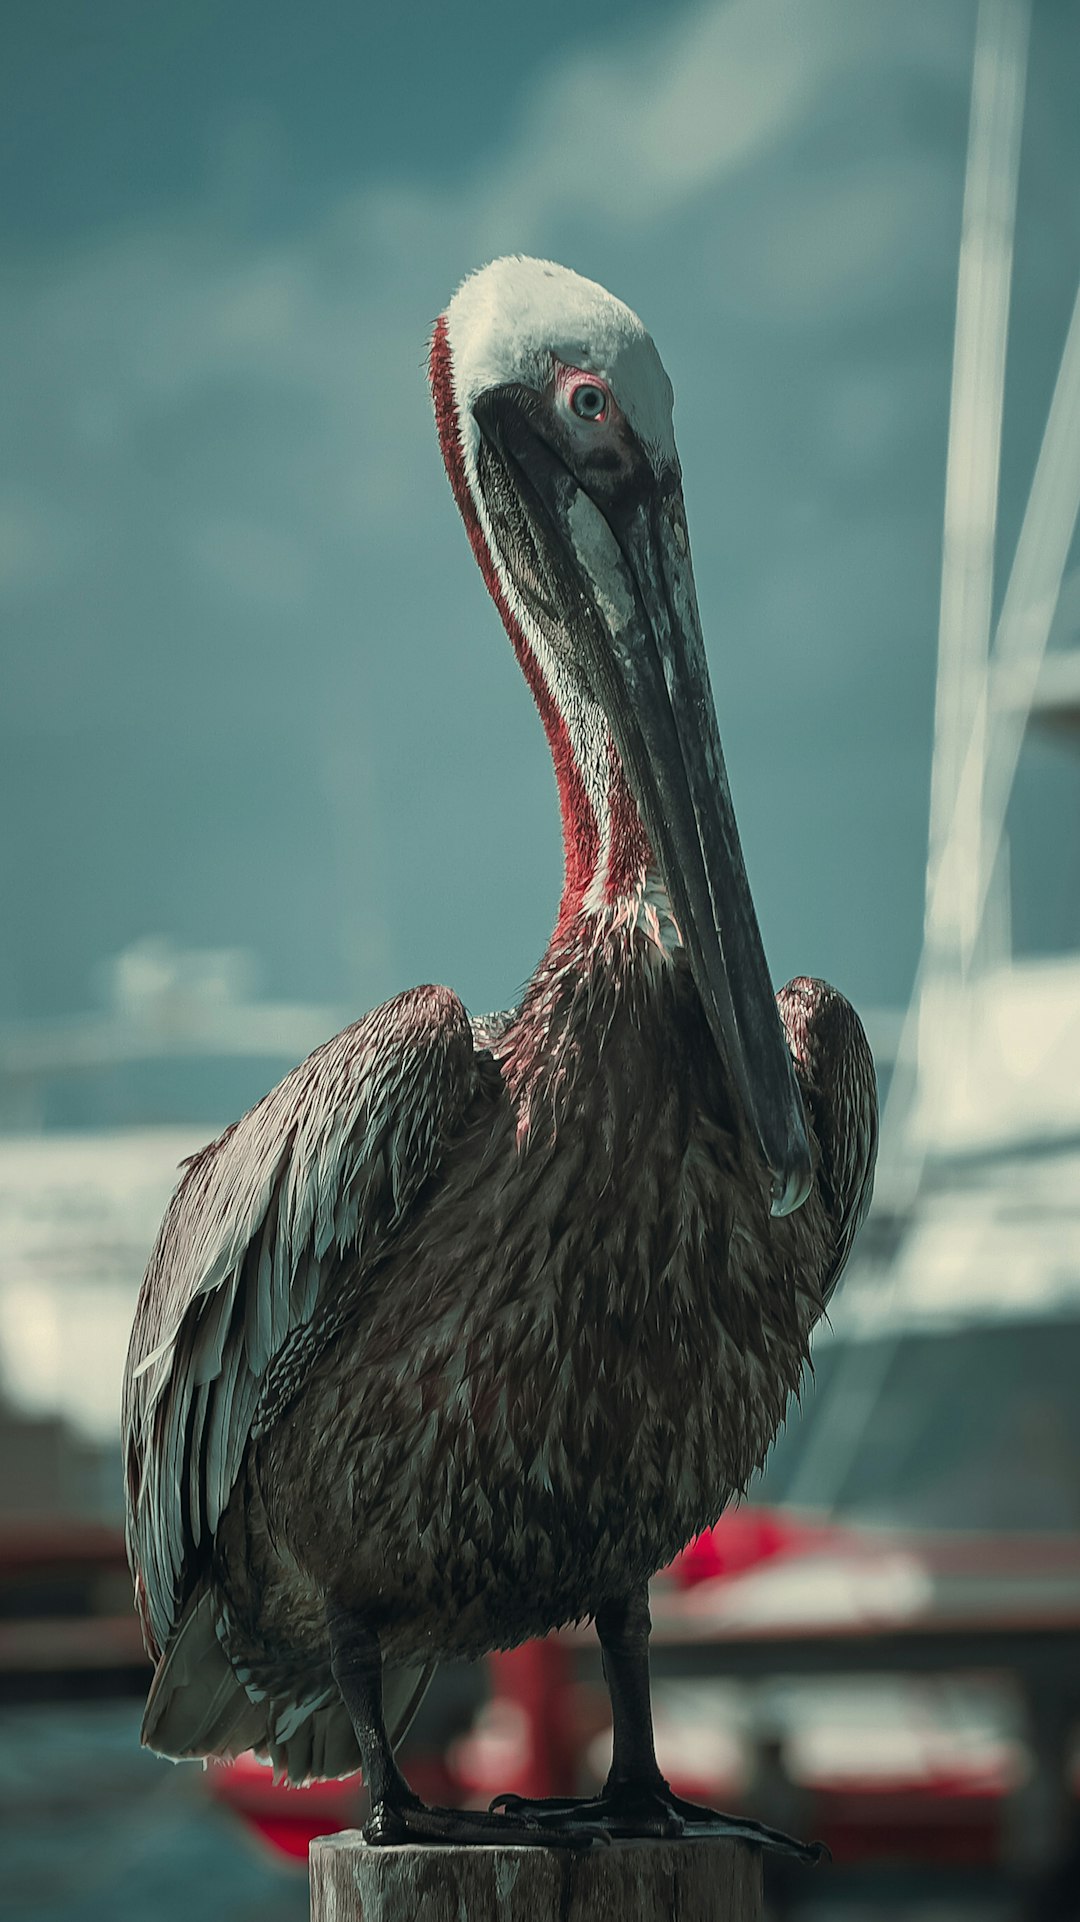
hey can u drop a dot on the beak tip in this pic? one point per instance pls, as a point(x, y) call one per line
point(790, 1188)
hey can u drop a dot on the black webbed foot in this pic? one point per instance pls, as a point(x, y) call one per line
point(639, 1810)
point(397, 1815)
point(393, 1823)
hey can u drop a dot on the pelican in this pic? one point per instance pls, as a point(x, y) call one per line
point(471, 1324)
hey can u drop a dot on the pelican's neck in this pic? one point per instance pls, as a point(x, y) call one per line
point(611, 886)
point(606, 854)
point(608, 870)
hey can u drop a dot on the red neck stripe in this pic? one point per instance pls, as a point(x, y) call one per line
point(581, 840)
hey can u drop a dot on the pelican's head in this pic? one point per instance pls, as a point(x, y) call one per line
point(554, 415)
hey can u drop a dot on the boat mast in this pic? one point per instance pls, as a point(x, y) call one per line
point(956, 856)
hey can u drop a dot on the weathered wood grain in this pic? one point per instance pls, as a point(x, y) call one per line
point(627, 1882)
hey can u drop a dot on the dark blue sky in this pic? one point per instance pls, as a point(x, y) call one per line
point(254, 693)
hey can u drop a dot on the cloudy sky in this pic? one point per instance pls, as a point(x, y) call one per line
point(254, 694)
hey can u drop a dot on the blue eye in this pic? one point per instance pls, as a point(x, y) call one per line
point(588, 401)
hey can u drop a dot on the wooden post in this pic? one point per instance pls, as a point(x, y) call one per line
point(625, 1882)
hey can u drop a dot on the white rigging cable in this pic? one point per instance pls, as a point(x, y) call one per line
point(993, 750)
point(927, 1055)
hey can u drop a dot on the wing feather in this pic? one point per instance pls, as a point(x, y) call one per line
point(329, 1163)
point(836, 1073)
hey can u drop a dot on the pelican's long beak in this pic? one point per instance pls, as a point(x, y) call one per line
point(612, 565)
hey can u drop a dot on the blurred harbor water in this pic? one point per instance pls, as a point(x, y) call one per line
point(93, 1828)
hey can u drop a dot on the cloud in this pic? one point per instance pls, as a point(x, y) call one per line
point(232, 433)
point(36, 544)
point(293, 347)
point(251, 562)
point(631, 133)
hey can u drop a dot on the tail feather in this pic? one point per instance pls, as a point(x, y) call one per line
point(198, 1707)
point(195, 1706)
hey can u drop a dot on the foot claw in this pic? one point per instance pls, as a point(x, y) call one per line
point(390, 1826)
point(536, 1812)
point(655, 1812)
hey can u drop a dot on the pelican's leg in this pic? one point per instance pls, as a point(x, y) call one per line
point(397, 1815)
point(636, 1800)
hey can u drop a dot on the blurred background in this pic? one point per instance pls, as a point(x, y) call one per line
point(265, 759)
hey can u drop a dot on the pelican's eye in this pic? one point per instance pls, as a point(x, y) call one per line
point(589, 401)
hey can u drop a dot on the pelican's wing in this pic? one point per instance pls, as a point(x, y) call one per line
point(836, 1073)
point(327, 1165)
